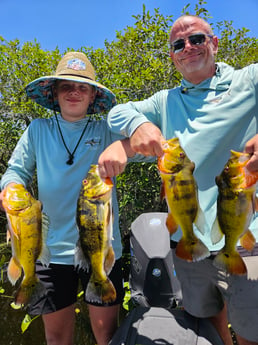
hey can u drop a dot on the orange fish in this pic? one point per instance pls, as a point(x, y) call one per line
point(235, 210)
point(180, 190)
point(27, 230)
point(95, 224)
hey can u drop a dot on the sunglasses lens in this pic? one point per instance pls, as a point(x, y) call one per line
point(197, 39)
point(178, 46)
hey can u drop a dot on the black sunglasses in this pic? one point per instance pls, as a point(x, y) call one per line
point(195, 39)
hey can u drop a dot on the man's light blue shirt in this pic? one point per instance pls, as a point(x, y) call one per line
point(210, 119)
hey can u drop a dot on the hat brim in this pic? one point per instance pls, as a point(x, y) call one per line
point(41, 91)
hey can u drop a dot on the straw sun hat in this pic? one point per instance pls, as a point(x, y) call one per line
point(74, 66)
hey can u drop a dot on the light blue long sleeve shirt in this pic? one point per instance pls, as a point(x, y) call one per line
point(41, 149)
point(210, 119)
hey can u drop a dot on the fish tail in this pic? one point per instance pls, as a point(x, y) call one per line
point(25, 291)
point(108, 291)
point(100, 292)
point(191, 249)
point(230, 262)
point(14, 271)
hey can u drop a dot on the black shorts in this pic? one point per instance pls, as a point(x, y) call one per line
point(59, 287)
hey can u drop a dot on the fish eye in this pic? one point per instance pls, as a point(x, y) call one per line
point(85, 182)
point(182, 155)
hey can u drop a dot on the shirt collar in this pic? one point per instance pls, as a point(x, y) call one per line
point(220, 81)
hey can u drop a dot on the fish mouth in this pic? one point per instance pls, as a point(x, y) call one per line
point(161, 166)
point(170, 145)
point(243, 157)
point(170, 162)
point(14, 209)
point(238, 160)
point(248, 178)
point(164, 170)
point(17, 205)
point(99, 196)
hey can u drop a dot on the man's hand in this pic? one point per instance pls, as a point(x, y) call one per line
point(252, 147)
point(147, 140)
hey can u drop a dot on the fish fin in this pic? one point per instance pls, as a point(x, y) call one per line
point(171, 224)
point(14, 271)
point(216, 233)
point(80, 260)
point(200, 221)
point(110, 221)
point(248, 240)
point(100, 292)
point(162, 191)
point(191, 249)
point(8, 236)
point(12, 230)
point(109, 260)
point(25, 291)
point(45, 226)
point(44, 256)
point(256, 203)
point(230, 262)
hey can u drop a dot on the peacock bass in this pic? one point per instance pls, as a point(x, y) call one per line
point(235, 210)
point(95, 223)
point(27, 234)
point(180, 190)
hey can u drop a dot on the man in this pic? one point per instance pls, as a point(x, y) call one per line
point(213, 111)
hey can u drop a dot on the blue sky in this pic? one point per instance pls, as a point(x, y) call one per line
point(78, 23)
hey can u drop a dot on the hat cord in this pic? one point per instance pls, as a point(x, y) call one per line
point(71, 154)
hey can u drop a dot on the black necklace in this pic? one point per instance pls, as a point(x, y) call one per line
point(71, 154)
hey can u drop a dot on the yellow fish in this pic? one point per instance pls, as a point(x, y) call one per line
point(24, 217)
point(95, 224)
point(235, 210)
point(180, 191)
